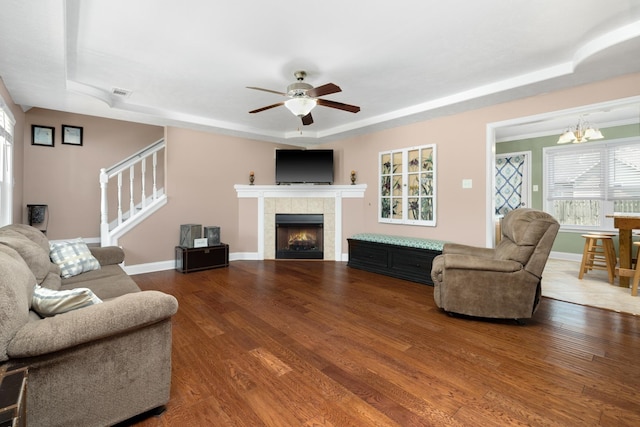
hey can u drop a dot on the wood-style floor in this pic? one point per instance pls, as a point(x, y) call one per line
point(312, 343)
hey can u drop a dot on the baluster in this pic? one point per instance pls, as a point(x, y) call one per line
point(104, 210)
point(143, 171)
point(155, 166)
point(132, 206)
point(119, 198)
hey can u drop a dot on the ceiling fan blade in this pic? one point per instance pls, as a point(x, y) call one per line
point(338, 105)
point(307, 120)
point(327, 89)
point(267, 107)
point(267, 90)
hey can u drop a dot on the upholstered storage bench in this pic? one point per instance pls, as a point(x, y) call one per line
point(406, 258)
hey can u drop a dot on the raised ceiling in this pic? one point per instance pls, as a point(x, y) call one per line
point(188, 63)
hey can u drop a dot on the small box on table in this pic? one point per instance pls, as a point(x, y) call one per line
point(188, 233)
point(212, 233)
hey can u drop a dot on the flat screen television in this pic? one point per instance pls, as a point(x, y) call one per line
point(304, 166)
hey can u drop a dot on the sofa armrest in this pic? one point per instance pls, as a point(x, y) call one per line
point(469, 262)
point(107, 255)
point(99, 321)
point(456, 248)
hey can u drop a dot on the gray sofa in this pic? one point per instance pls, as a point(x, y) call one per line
point(504, 282)
point(93, 366)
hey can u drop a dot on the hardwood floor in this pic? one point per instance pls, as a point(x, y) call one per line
point(311, 343)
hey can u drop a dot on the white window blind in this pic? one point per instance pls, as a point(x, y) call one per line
point(7, 123)
point(586, 183)
point(624, 172)
point(3, 139)
point(576, 174)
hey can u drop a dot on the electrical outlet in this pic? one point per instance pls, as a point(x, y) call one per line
point(467, 183)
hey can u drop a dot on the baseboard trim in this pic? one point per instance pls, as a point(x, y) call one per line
point(566, 256)
point(152, 267)
point(149, 267)
point(255, 256)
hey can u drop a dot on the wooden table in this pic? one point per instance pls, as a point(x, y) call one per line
point(13, 389)
point(625, 223)
point(196, 259)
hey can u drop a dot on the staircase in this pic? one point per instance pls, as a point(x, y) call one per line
point(124, 189)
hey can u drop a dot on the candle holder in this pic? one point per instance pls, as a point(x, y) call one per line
point(353, 177)
point(251, 178)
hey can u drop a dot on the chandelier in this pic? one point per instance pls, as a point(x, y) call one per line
point(581, 133)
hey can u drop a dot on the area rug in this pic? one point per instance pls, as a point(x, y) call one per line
point(560, 281)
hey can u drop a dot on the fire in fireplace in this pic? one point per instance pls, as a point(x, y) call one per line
point(299, 236)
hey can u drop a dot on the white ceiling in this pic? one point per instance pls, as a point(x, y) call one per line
point(187, 63)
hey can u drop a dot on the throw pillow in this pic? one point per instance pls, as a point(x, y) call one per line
point(47, 302)
point(73, 257)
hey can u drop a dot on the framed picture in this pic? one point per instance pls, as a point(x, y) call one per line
point(71, 135)
point(42, 135)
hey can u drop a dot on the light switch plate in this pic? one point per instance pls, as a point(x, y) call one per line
point(467, 183)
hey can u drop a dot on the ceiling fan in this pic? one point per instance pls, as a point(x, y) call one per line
point(303, 98)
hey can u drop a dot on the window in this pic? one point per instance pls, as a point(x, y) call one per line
point(407, 192)
point(7, 123)
point(586, 183)
point(512, 176)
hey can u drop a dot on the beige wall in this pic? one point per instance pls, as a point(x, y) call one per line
point(460, 154)
point(65, 177)
point(203, 167)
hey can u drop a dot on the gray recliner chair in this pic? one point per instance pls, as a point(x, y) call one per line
point(497, 283)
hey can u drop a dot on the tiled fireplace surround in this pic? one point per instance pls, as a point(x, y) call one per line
point(303, 199)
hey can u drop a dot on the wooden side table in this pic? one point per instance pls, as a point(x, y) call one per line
point(196, 259)
point(13, 397)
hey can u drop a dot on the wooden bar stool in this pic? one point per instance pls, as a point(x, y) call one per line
point(599, 254)
point(636, 275)
point(632, 272)
point(634, 260)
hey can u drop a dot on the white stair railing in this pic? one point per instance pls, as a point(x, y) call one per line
point(140, 205)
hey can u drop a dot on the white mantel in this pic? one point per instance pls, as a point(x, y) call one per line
point(296, 192)
point(301, 190)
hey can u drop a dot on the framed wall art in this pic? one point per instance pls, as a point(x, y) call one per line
point(407, 192)
point(42, 135)
point(71, 135)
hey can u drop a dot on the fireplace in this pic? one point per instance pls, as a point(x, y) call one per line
point(299, 236)
point(259, 204)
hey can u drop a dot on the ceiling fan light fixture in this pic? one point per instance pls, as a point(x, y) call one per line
point(300, 106)
point(303, 98)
